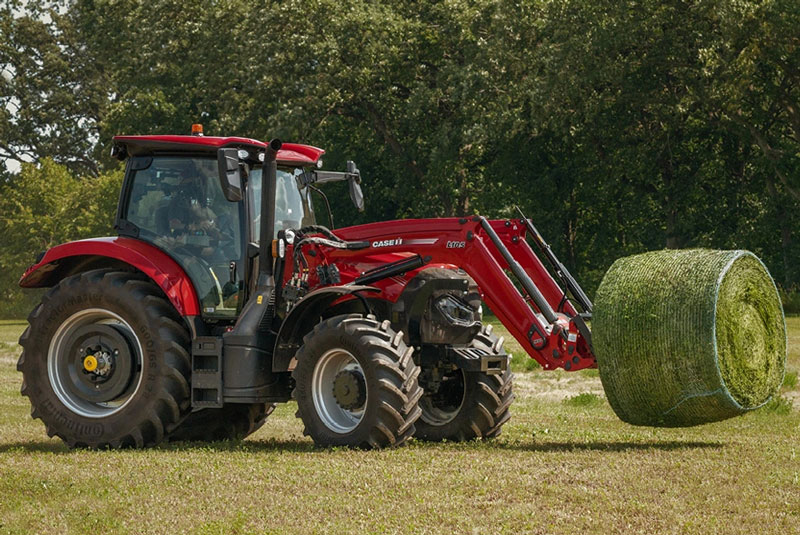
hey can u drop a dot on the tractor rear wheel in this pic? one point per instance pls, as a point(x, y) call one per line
point(468, 405)
point(356, 384)
point(234, 421)
point(105, 361)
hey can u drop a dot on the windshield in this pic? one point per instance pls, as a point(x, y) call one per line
point(293, 206)
point(176, 203)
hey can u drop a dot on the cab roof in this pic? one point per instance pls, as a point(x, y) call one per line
point(290, 153)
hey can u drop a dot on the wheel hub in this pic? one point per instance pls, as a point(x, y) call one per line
point(443, 405)
point(99, 362)
point(338, 390)
point(350, 389)
point(94, 363)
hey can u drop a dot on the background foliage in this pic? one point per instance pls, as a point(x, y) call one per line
point(618, 127)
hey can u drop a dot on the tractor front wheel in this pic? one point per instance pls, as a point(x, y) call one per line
point(468, 405)
point(105, 361)
point(356, 384)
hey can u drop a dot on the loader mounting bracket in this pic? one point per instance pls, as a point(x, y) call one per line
point(474, 359)
point(537, 338)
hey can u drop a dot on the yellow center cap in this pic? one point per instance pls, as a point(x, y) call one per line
point(90, 363)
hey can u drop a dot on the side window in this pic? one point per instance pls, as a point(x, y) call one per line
point(178, 206)
point(147, 196)
point(293, 206)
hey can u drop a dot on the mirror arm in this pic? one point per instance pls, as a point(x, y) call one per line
point(322, 177)
point(327, 203)
point(352, 176)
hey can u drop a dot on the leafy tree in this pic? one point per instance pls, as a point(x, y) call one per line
point(618, 126)
point(630, 112)
point(756, 66)
point(44, 206)
point(52, 94)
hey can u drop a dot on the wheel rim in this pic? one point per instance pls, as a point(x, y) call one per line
point(94, 363)
point(442, 407)
point(335, 416)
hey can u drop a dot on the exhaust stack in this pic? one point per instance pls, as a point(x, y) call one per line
point(257, 313)
point(269, 179)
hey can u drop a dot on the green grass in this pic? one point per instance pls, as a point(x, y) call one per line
point(586, 399)
point(779, 404)
point(559, 467)
point(790, 380)
point(9, 334)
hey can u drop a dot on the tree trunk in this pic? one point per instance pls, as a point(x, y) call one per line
point(572, 230)
point(463, 197)
point(671, 213)
point(670, 209)
point(389, 138)
point(786, 231)
point(773, 156)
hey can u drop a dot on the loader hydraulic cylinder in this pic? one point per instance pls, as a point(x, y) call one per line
point(541, 303)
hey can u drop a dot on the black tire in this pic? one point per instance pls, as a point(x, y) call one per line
point(376, 410)
point(233, 421)
point(139, 391)
point(468, 405)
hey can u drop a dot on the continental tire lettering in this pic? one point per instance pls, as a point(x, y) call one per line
point(160, 397)
point(90, 430)
point(148, 346)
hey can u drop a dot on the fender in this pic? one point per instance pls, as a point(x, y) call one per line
point(115, 252)
point(302, 318)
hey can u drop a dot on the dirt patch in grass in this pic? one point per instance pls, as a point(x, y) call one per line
point(556, 386)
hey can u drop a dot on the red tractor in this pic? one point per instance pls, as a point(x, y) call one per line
point(222, 296)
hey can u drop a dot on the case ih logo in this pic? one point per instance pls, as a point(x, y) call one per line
point(387, 243)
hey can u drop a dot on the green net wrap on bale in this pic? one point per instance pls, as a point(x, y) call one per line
point(688, 337)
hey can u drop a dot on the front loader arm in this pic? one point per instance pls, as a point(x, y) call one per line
point(539, 316)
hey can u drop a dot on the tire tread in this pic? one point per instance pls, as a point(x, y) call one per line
point(484, 415)
point(146, 428)
point(396, 379)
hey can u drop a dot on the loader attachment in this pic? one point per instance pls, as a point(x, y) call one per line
point(570, 285)
point(539, 312)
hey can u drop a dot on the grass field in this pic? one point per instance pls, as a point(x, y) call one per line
point(564, 464)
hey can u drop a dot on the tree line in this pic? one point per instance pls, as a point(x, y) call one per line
point(618, 127)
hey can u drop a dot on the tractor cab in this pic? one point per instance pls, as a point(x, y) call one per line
point(172, 198)
point(206, 310)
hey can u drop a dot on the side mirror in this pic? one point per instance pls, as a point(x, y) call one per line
point(352, 175)
point(354, 181)
point(230, 174)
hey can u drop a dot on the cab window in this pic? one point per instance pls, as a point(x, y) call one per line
point(177, 204)
point(293, 206)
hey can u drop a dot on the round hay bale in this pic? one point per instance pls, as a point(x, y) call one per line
point(688, 337)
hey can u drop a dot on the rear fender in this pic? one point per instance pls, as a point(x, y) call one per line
point(302, 319)
point(117, 253)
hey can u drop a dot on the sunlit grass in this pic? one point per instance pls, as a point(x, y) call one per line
point(564, 464)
